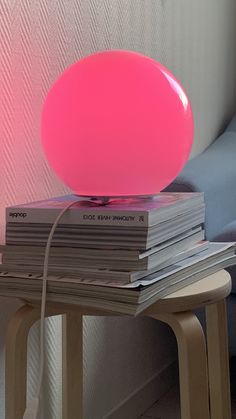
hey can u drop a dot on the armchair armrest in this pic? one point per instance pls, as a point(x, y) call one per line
point(214, 173)
point(232, 125)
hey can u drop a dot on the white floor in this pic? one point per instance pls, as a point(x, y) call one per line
point(166, 408)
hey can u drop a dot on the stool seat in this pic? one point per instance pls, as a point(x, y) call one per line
point(199, 294)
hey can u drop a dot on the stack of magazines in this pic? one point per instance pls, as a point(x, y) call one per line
point(122, 256)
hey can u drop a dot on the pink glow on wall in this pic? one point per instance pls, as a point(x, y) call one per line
point(117, 123)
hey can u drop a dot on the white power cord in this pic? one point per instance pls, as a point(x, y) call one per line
point(32, 408)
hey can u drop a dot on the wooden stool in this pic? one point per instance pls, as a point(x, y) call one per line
point(201, 381)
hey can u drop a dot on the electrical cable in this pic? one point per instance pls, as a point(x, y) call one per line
point(32, 408)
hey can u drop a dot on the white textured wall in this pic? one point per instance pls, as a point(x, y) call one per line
point(38, 39)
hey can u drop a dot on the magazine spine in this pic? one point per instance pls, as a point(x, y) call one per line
point(81, 217)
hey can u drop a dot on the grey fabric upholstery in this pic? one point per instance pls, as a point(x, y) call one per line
point(214, 173)
point(232, 125)
point(228, 234)
point(231, 311)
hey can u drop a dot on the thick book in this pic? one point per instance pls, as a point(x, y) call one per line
point(118, 259)
point(97, 253)
point(117, 298)
point(127, 212)
point(69, 263)
point(36, 234)
point(91, 273)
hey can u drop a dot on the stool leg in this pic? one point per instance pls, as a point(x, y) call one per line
point(218, 360)
point(192, 363)
point(72, 361)
point(16, 361)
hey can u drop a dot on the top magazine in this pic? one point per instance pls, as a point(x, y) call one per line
point(136, 212)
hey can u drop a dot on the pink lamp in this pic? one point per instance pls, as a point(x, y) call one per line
point(117, 123)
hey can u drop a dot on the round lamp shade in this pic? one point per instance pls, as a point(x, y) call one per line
point(117, 123)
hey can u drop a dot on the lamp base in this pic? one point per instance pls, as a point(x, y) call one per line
point(106, 200)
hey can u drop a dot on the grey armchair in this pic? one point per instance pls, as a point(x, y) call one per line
point(214, 173)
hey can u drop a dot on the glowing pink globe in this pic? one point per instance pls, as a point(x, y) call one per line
point(117, 123)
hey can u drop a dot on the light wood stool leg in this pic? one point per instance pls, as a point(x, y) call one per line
point(192, 363)
point(16, 361)
point(72, 361)
point(218, 360)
